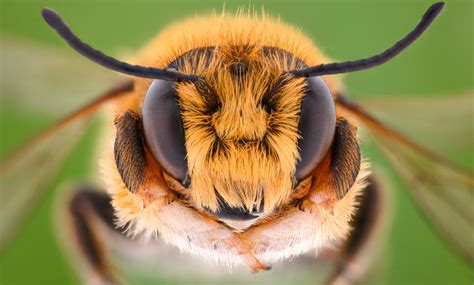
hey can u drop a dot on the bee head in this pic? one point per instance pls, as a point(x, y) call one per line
point(250, 129)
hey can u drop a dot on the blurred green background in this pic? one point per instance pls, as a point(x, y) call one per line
point(441, 63)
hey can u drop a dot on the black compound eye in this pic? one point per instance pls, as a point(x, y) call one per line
point(317, 126)
point(163, 128)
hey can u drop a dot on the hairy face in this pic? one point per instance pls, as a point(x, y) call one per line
point(241, 126)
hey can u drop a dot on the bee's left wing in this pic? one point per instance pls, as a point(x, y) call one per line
point(33, 73)
point(443, 189)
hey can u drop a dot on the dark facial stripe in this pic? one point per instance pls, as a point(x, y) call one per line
point(346, 158)
point(129, 150)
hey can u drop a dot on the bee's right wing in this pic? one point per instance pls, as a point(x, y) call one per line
point(26, 171)
point(442, 189)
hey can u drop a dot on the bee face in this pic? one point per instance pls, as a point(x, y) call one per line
point(240, 127)
point(245, 134)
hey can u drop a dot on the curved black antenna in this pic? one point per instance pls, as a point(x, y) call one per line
point(54, 21)
point(361, 64)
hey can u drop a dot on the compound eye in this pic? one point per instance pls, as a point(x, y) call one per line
point(317, 126)
point(163, 128)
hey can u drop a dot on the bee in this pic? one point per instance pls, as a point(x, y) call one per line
point(235, 142)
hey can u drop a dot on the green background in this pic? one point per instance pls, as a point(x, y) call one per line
point(441, 63)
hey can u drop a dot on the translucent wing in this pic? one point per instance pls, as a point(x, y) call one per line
point(31, 74)
point(443, 190)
